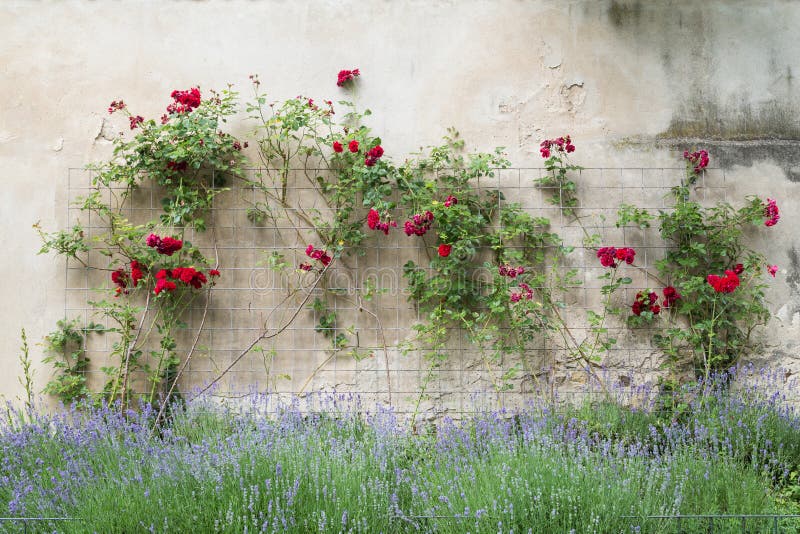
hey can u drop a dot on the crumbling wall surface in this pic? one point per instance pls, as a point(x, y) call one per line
point(634, 82)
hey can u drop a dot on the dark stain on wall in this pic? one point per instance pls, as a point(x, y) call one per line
point(793, 271)
point(742, 107)
point(727, 154)
point(625, 13)
point(739, 120)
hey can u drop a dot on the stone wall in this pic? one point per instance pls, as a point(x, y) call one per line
point(634, 82)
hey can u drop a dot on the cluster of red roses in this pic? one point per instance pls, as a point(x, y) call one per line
point(609, 256)
point(121, 278)
point(185, 101)
point(727, 283)
point(166, 279)
point(135, 121)
point(419, 224)
point(649, 300)
point(511, 272)
point(315, 254)
point(164, 245)
point(527, 292)
point(116, 106)
point(562, 144)
point(370, 158)
point(771, 213)
point(374, 222)
point(373, 155)
point(698, 159)
point(346, 76)
point(178, 166)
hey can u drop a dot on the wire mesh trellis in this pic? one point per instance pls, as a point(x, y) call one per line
point(370, 360)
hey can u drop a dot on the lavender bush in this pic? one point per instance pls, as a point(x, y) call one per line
point(274, 468)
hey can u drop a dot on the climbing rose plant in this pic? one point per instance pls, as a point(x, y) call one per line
point(155, 273)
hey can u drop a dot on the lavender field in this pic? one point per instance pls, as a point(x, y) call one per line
point(352, 468)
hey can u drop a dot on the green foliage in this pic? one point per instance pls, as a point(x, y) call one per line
point(26, 380)
point(64, 349)
point(326, 324)
point(65, 242)
point(628, 214)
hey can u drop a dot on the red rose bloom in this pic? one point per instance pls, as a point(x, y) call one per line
point(607, 256)
point(116, 106)
point(136, 121)
point(185, 101)
point(163, 284)
point(444, 250)
point(645, 301)
point(671, 295)
point(626, 254)
point(169, 246)
point(352, 146)
point(771, 212)
point(346, 76)
point(213, 272)
point(166, 245)
point(317, 254)
point(699, 160)
point(419, 224)
point(373, 219)
point(562, 144)
point(136, 273)
point(337, 146)
point(724, 284)
point(120, 278)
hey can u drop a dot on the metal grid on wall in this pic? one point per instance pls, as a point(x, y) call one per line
point(249, 296)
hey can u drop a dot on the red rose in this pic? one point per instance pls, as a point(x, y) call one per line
point(353, 146)
point(213, 272)
point(136, 273)
point(670, 296)
point(724, 284)
point(444, 250)
point(771, 212)
point(346, 76)
point(136, 121)
point(337, 146)
point(373, 219)
point(163, 284)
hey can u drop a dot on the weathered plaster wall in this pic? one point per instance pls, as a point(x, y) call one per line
point(634, 82)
